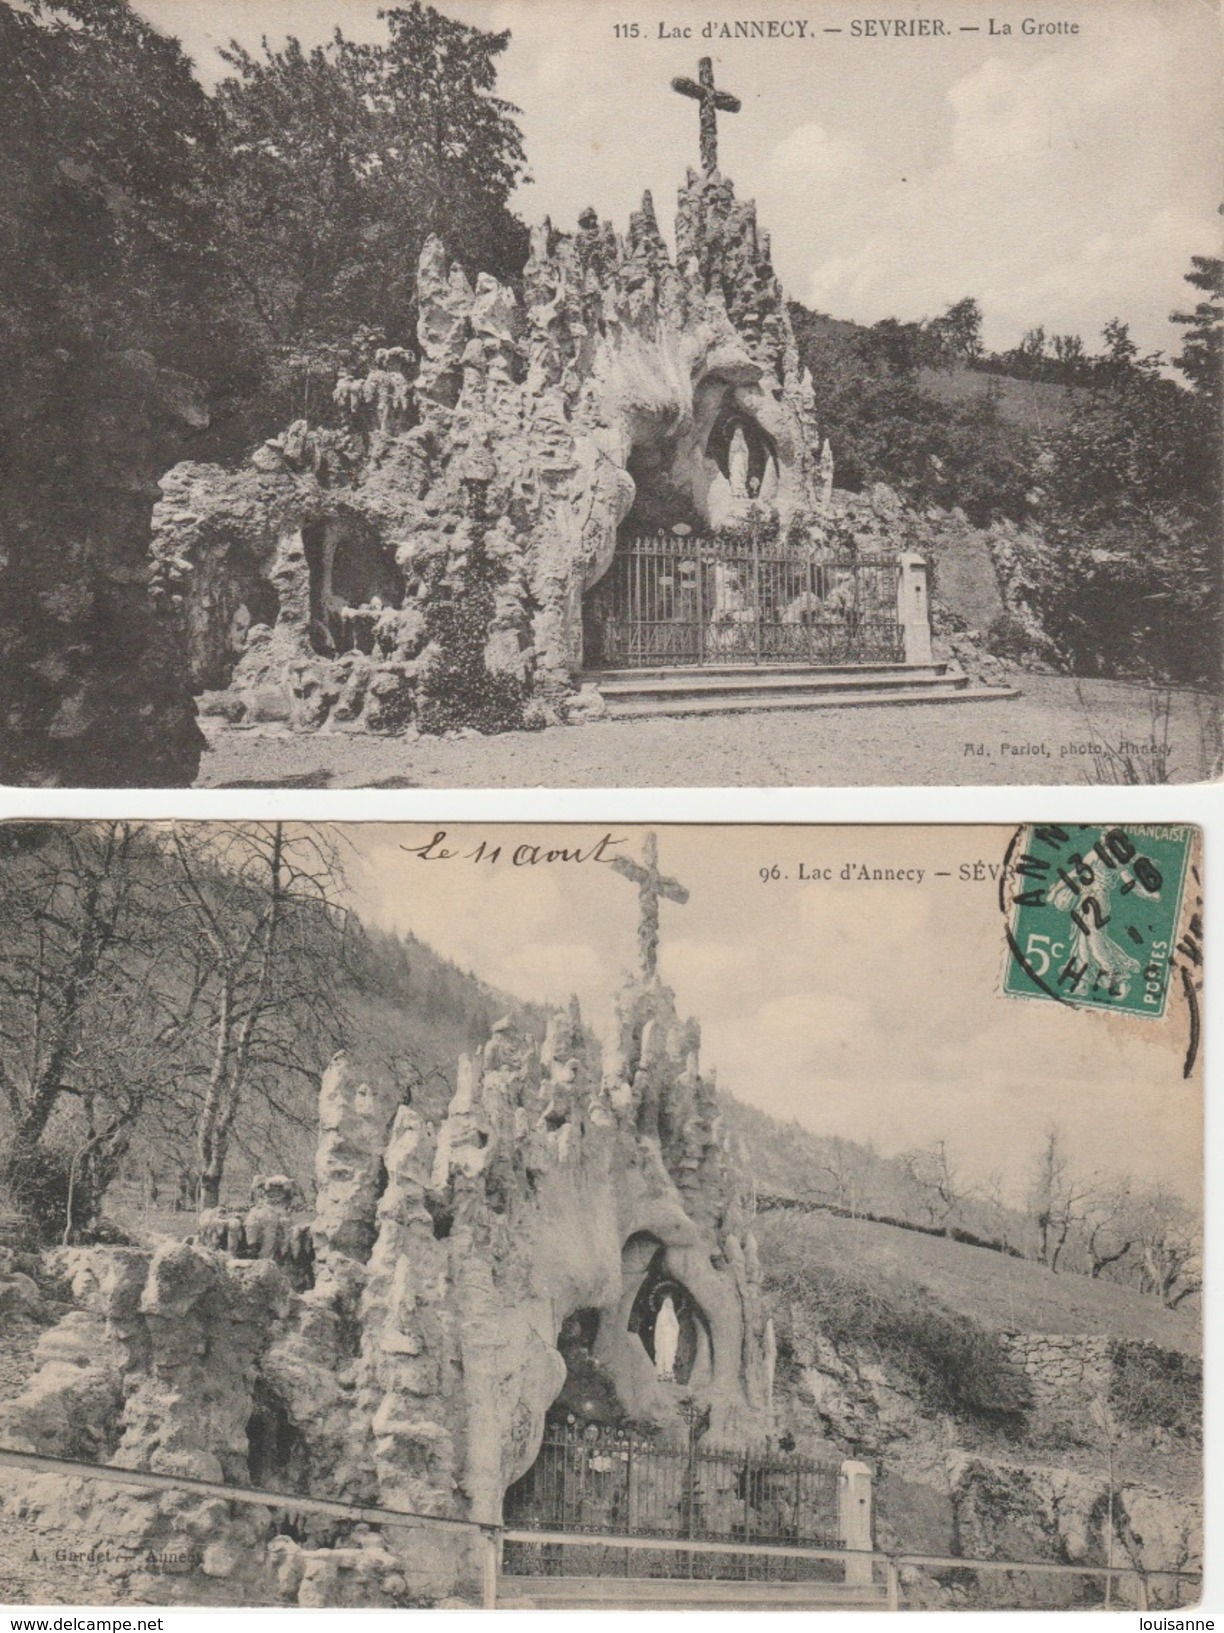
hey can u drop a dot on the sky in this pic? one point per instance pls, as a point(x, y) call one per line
point(1061, 180)
point(869, 1010)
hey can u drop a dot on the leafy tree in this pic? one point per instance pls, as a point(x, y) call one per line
point(179, 274)
point(345, 158)
point(1070, 362)
point(1202, 356)
point(115, 343)
point(1121, 353)
point(900, 348)
point(1126, 579)
point(958, 333)
point(1030, 353)
point(885, 427)
point(108, 226)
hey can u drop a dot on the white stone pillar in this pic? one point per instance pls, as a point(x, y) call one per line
point(914, 606)
point(854, 1522)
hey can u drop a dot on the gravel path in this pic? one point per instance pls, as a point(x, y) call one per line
point(1039, 737)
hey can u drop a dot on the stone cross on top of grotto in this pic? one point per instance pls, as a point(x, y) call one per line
point(702, 89)
point(651, 886)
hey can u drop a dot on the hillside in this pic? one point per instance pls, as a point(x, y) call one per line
point(1030, 405)
point(787, 1162)
point(403, 1008)
point(1000, 1293)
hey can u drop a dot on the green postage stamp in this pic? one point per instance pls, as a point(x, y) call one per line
point(1093, 913)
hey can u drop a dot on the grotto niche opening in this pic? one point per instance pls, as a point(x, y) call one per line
point(744, 452)
point(589, 1392)
point(669, 1324)
point(699, 473)
point(622, 1359)
point(355, 587)
point(636, 1371)
point(252, 598)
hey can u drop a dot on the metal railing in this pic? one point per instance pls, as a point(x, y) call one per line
point(594, 1478)
point(889, 1565)
point(495, 1536)
point(706, 601)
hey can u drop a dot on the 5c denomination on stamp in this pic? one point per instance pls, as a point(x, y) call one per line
point(1092, 914)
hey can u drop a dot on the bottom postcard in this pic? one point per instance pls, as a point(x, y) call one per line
point(700, 1217)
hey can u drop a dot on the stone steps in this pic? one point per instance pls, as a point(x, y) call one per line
point(636, 693)
point(672, 1593)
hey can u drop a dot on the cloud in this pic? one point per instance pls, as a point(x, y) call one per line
point(811, 154)
point(1059, 195)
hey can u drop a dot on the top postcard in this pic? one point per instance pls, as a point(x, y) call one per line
point(547, 392)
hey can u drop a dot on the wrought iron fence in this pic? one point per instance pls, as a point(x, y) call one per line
point(678, 601)
point(594, 1479)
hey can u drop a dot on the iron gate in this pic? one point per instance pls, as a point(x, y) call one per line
point(594, 1479)
point(670, 601)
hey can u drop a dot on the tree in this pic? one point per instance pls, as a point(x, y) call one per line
point(1070, 357)
point(261, 904)
point(116, 341)
point(1031, 351)
point(902, 348)
point(1202, 355)
point(1056, 1199)
point(343, 160)
point(85, 1011)
point(1125, 576)
point(1106, 1228)
point(1169, 1242)
point(848, 1166)
point(1121, 353)
point(999, 1217)
point(958, 333)
point(939, 1189)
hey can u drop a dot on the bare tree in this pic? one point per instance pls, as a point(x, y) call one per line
point(1106, 1230)
point(938, 1188)
point(1000, 1219)
point(1169, 1244)
point(84, 962)
point(1096, 1222)
point(1057, 1199)
point(847, 1165)
point(264, 902)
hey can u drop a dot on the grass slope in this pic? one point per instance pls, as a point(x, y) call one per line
point(1030, 405)
point(996, 1291)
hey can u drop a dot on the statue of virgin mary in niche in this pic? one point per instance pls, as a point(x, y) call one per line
point(666, 1340)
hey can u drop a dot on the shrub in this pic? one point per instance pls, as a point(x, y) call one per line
point(37, 1185)
point(1154, 1388)
point(1008, 638)
point(955, 1364)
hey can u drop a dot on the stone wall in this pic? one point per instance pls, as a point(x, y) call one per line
point(1065, 1372)
point(1036, 1485)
